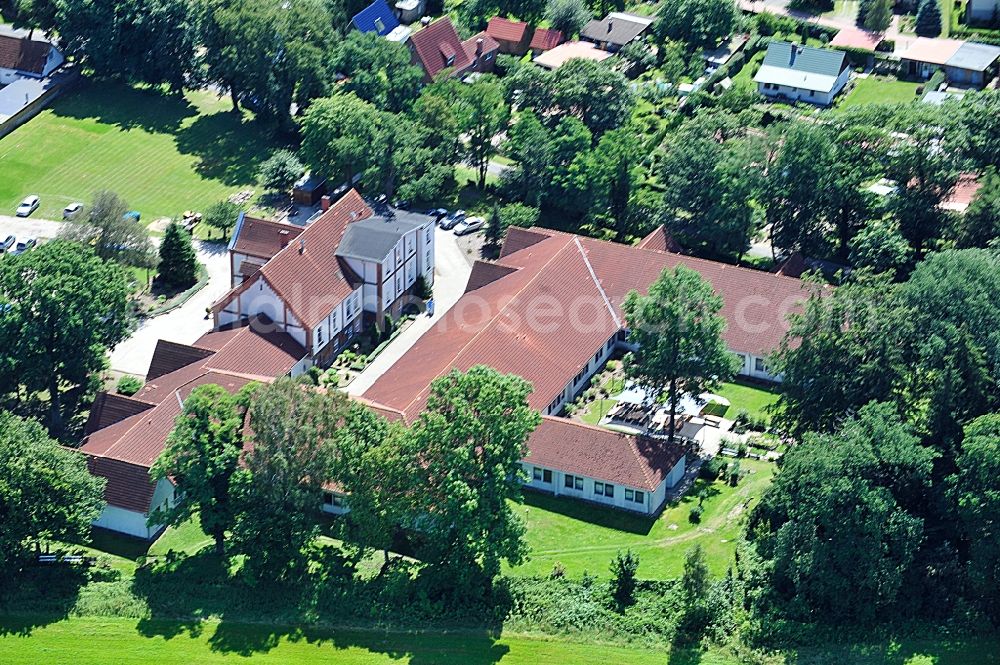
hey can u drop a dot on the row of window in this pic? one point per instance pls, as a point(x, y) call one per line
point(572, 482)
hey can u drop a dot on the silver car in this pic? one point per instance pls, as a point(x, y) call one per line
point(469, 225)
point(28, 206)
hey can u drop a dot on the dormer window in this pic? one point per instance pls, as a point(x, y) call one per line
point(449, 60)
point(379, 25)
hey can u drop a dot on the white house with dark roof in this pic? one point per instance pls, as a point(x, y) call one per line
point(348, 269)
point(802, 73)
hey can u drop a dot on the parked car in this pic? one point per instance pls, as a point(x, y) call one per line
point(449, 222)
point(28, 206)
point(72, 210)
point(401, 204)
point(24, 246)
point(7, 244)
point(438, 213)
point(134, 215)
point(469, 225)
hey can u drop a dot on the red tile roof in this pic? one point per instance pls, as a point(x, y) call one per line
point(263, 238)
point(502, 29)
point(661, 239)
point(599, 453)
point(171, 356)
point(471, 45)
point(307, 275)
point(523, 322)
point(545, 39)
point(109, 408)
point(128, 485)
point(433, 45)
point(23, 54)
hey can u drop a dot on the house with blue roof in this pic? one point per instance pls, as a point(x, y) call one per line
point(796, 72)
point(379, 18)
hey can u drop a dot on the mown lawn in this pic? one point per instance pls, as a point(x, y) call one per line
point(584, 537)
point(164, 154)
point(106, 641)
point(874, 90)
point(755, 398)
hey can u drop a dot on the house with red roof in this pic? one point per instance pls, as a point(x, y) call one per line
point(323, 284)
point(512, 36)
point(545, 39)
point(125, 435)
point(437, 48)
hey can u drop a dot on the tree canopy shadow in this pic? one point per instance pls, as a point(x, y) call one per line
point(125, 107)
point(39, 596)
point(229, 148)
point(591, 513)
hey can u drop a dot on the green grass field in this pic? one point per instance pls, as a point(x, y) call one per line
point(880, 91)
point(93, 641)
point(586, 537)
point(163, 154)
point(754, 398)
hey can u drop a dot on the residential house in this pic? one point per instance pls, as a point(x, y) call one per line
point(964, 63)
point(796, 72)
point(512, 37)
point(125, 435)
point(437, 48)
point(615, 31)
point(21, 57)
point(545, 39)
point(378, 18)
point(348, 268)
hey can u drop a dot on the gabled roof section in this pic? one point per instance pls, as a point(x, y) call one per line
point(599, 453)
point(437, 47)
point(376, 17)
point(484, 272)
point(128, 485)
point(616, 28)
point(23, 54)
point(545, 39)
point(974, 56)
point(504, 29)
point(518, 239)
point(473, 49)
point(307, 274)
point(111, 408)
point(373, 239)
point(262, 238)
point(171, 356)
point(545, 319)
point(801, 66)
point(661, 239)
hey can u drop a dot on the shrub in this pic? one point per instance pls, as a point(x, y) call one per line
point(695, 515)
point(623, 570)
point(422, 289)
point(734, 473)
point(714, 468)
point(128, 385)
point(558, 571)
point(280, 171)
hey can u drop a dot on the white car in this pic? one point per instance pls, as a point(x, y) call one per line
point(28, 206)
point(72, 210)
point(469, 225)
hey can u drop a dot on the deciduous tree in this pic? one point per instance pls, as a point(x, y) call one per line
point(46, 492)
point(339, 136)
point(483, 113)
point(201, 456)
point(62, 309)
point(678, 331)
point(114, 235)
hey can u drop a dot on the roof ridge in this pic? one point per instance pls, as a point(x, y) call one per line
point(475, 337)
point(597, 282)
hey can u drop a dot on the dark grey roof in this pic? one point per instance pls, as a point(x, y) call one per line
point(826, 62)
point(974, 56)
point(617, 28)
point(372, 239)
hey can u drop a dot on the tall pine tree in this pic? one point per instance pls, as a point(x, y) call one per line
point(929, 19)
point(178, 268)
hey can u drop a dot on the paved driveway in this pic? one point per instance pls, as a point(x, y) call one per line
point(28, 227)
point(185, 324)
point(451, 273)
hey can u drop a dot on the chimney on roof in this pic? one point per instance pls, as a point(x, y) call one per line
point(283, 235)
point(611, 24)
point(479, 46)
point(324, 202)
point(302, 245)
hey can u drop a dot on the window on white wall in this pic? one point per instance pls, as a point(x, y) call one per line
point(758, 365)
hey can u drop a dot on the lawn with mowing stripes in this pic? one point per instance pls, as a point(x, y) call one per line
point(163, 154)
point(99, 641)
point(585, 537)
